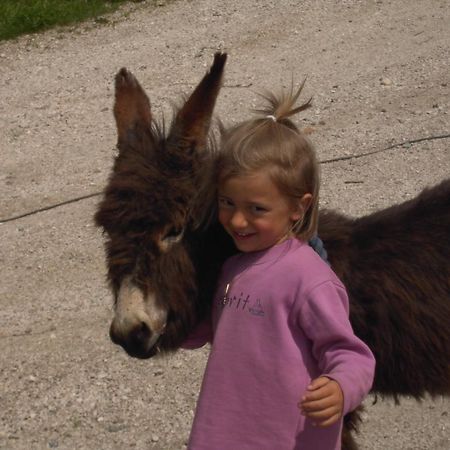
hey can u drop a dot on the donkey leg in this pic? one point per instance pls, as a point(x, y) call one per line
point(351, 422)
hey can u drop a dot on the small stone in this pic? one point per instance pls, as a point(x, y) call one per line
point(114, 428)
point(386, 82)
point(155, 438)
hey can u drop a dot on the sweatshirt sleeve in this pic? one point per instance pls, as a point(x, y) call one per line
point(323, 317)
point(201, 335)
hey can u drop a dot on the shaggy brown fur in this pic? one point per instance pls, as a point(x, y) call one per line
point(147, 200)
point(394, 263)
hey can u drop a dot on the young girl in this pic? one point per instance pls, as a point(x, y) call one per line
point(284, 365)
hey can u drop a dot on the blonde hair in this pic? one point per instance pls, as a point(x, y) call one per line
point(271, 142)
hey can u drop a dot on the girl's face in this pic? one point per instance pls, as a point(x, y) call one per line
point(255, 213)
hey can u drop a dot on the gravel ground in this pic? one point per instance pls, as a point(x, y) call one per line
point(379, 74)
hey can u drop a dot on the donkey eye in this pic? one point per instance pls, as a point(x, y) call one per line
point(173, 232)
point(173, 236)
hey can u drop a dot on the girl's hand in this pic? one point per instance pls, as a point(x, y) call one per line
point(323, 402)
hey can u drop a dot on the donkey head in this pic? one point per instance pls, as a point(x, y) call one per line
point(145, 211)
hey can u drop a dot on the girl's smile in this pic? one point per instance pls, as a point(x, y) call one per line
point(254, 211)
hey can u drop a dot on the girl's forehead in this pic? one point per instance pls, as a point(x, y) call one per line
point(255, 185)
point(252, 179)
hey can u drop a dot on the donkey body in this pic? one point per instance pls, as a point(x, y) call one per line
point(162, 269)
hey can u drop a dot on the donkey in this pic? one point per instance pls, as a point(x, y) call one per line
point(162, 267)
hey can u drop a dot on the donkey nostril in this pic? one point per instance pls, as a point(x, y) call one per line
point(137, 340)
point(140, 336)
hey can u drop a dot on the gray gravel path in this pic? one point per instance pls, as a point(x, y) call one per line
point(379, 74)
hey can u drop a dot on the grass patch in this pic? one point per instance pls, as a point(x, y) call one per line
point(29, 16)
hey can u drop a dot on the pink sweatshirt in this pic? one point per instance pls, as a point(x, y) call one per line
point(283, 322)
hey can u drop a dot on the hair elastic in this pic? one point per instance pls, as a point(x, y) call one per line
point(270, 116)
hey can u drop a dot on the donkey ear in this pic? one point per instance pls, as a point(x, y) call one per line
point(191, 124)
point(132, 106)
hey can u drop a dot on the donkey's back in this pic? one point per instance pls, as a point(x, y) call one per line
point(395, 265)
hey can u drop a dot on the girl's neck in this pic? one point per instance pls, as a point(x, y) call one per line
point(270, 253)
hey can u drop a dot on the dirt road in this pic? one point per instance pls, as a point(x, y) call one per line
point(379, 75)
